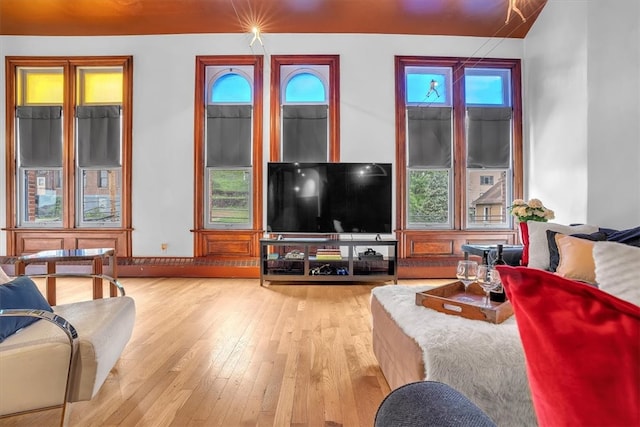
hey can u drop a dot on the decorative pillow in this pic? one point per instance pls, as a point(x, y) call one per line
point(630, 236)
point(538, 245)
point(20, 292)
point(3, 277)
point(524, 237)
point(617, 268)
point(576, 258)
point(581, 348)
point(554, 256)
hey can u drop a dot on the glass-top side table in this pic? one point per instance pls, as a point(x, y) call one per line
point(51, 257)
point(512, 254)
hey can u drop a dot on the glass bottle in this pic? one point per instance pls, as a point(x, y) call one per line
point(498, 295)
point(485, 257)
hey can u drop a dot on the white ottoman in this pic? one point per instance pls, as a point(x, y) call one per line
point(484, 361)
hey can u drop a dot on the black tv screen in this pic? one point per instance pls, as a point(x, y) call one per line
point(329, 198)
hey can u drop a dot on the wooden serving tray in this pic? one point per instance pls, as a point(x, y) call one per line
point(452, 299)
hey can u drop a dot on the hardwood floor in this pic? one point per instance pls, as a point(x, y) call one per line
point(227, 352)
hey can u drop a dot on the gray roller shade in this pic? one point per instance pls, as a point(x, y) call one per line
point(304, 133)
point(40, 136)
point(99, 135)
point(229, 135)
point(429, 136)
point(488, 137)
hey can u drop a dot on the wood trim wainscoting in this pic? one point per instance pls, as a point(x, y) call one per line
point(227, 352)
point(29, 240)
point(249, 268)
point(424, 255)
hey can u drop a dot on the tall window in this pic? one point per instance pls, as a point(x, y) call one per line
point(306, 120)
point(228, 155)
point(228, 148)
point(305, 114)
point(458, 143)
point(429, 130)
point(39, 144)
point(489, 130)
point(98, 125)
point(68, 137)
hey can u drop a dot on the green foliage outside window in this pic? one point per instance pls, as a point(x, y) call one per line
point(429, 196)
point(230, 196)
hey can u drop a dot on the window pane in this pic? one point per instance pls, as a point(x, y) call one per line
point(41, 196)
point(99, 145)
point(487, 192)
point(305, 87)
point(100, 85)
point(229, 196)
point(428, 197)
point(100, 203)
point(39, 86)
point(486, 180)
point(487, 87)
point(427, 88)
point(228, 146)
point(231, 88)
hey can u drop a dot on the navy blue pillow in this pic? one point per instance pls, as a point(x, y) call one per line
point(23, 293)
point(630, 236)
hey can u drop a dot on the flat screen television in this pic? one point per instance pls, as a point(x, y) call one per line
point(329, 198)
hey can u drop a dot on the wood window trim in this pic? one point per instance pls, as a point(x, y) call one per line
point(205, 238)
point(407, 237)
point(16, 244)
point(333, 61)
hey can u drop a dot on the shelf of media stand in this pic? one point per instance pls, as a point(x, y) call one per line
point(297, 259)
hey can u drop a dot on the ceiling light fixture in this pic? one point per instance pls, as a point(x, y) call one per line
point(256, 36)
point(513, 6)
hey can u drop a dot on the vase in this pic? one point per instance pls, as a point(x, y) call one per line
point(524, 238)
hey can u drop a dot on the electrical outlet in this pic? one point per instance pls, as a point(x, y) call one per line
point(163, 246)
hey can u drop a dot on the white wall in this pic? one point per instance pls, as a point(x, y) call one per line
point(614, 113)
point(581, 92)
point(163, 97)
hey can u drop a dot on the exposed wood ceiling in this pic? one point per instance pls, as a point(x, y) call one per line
point(485, 18)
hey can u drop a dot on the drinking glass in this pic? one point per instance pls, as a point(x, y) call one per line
point(483, 273)
point(467, 272)
point(488, 279)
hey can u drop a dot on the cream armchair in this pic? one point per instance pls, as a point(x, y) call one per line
point(65, 358)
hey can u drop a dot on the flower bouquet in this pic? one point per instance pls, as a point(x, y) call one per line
point(533, 210)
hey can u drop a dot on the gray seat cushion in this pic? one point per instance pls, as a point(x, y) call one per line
point(429, 404)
